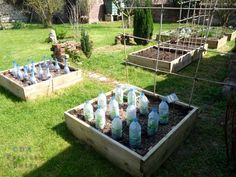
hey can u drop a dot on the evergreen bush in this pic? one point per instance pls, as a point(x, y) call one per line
point(86, 44)
point(143, 24)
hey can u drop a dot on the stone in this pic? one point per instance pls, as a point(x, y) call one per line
point(53, 36)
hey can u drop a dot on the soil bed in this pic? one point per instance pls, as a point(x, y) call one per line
point(165, 54)
point(177, 113)
point(26, 83)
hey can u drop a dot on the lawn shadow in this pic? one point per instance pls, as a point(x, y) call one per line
point(10, 95)
point(77, 160)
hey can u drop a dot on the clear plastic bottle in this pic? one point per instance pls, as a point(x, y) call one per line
point(130, 113)
point(26, 75)
point(33, 68)
point(29, 66)
point(88, 111)
point(117, 128)
point(66, 68)
point(32, 78)
point(100, 118)
point(40, 73)
point(51, 65)
point(14, 69)
point(119, 94)
point(48, 74)
point(132, 97)
point(135, 134)
point(153, 122)
point(19, 74)
point(113, 108)
point(143, 105)
point(57, 67)
point(102, 101)
point(44, 61)
point(164, 112)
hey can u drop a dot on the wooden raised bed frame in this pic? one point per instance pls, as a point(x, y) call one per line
point(42, 88)
point(231, 36)
point(150, 63)
point(214, 43)
point(125, 158)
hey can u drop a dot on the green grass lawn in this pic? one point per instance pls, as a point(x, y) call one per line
point(34, 137)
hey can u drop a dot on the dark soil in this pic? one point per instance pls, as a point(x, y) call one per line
point(26, 83)
point(177, 113)
point(164, 54)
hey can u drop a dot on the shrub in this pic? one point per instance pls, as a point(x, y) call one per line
point(86, 44)
point(18, 25)
point(143, 24)
point(61, 33)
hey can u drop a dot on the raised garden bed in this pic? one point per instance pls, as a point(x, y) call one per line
point(213, 42)
point(27, 91)
point(231, 35)
point(192, 46)
point(170, 59)
point(153, 151)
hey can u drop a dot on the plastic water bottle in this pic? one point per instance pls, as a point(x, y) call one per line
point(135, 134)
point(117, 128)
point(48, 74)
point(26, 75)
point(29, 66)
point(66, 68)
point(32, 78)
point(132, 97)
point(113, 108)
point(51, 65)
point(153, 122)
point(14, 69)
point(33, 68)
point(88, 111)
point(44, 61)
point(100, 118)
point(40, 73)
point(119, 94)
point(164, 112)
point(57, 67)
point(102, 101)
point(143, 106)
point(130, 113)
point(19, 73)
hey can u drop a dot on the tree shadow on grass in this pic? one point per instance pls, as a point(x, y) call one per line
point(77, 160)
point(9, 95)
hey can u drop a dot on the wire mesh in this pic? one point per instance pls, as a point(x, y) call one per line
point(199, 19)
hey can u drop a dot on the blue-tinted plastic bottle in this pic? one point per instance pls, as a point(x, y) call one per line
point(164, 112)
point(135, 134)
point(130, 113)
point(116, 128)
point(132, 97)
point(153, 122)
point(143, 106)
point(102, 101)
point(113, 108)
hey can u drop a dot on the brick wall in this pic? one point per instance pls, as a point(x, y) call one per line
point(96, 11)
point(9, 13)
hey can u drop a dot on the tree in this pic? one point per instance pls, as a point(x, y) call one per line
point(45, 9)
point(86, 44)
point(224, 15)
point(126, 12)
point(143, 24)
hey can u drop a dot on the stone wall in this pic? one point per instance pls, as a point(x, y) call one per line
point(96, 11)
point(9, 13)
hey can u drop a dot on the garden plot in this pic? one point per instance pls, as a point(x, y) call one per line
point(153, 151)
point(196, 49)
point(26, 90)
point(170, 59)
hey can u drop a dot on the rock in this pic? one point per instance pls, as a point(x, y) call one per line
point(53, 36)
